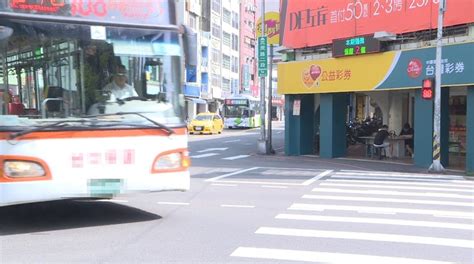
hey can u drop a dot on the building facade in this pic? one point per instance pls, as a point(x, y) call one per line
point(223, 51)
point(343, 66)
point(248, 61)
point(190, 15)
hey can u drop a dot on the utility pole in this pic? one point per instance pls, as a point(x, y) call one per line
point(262, 143)
point(436, 166)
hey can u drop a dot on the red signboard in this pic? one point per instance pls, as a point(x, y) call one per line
point(306, 23)
point(149, 12)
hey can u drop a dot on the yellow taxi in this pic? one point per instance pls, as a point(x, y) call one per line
point(206, 123)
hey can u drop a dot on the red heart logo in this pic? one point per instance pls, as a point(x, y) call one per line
point(315, 71)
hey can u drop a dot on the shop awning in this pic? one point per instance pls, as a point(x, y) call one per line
point(198, 101)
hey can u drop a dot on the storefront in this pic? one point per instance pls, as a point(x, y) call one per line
point(322, 95)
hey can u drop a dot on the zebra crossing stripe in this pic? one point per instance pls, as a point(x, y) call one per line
point(374, 209)
point(381, 186)
point(386, 200)
point(380, 221)
point(435, 241)
point(324, 257)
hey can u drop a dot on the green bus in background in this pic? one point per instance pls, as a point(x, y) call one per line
point(242, 111)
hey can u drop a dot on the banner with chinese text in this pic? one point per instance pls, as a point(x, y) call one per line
point(382, 71)
point(306, 23)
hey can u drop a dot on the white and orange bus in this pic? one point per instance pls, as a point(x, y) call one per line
point(69, 128)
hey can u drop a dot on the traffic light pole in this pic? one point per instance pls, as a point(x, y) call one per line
point(436, 166)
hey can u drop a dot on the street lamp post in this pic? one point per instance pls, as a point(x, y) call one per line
point(262, 143)
point(436, 166)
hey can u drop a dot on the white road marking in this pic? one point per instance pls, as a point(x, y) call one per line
point(324, 257)
point(322, 207)
point(436, 195)
point(173, 203)
point(222, 184)
point(442, 184)
point(212, 149)
point(262, 182)
point(381, 221)
point(229, 141)
point(204, 155)
point(275, 187)
point(231, 174)
point(396, 174)
point(236, 157)
point(237, 206)
point(319, 176)
point(393, 179)
point(387, 200)
point(381, 186)
point(113, 200)
point(435, 241)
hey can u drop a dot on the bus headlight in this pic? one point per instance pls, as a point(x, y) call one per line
point(23, 169)
point(171, 162)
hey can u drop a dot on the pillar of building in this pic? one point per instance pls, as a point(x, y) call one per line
point(333, 109)
point(299, 127)
point(470, 131)
point(423, 126)
point(445, 127)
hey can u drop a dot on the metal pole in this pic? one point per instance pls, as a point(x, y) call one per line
point(270, 84)
point(436, 166)
point(262, 143)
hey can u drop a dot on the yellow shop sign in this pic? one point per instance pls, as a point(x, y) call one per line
point(334, 75)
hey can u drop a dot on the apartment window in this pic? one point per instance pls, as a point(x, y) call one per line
point(226, 62)
point(192, 22)
point(235, 64)
point(215, 80)
point(235, 20)
point(235, 86)
point(226, 16)
point(216, 30)
point(215, 56)
point(225, 84)
point(216, 6)
point(226, 39)
point(235, 42)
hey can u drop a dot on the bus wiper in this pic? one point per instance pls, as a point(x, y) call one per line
point(45, 127)
point(158, 124)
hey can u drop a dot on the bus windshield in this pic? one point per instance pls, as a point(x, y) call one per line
point(51, 71)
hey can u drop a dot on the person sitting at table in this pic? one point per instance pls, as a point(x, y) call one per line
point(380, 140)
point(408, 131)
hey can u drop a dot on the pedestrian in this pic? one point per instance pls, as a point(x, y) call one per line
point(381, 139)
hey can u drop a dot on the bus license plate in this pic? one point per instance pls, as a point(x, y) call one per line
point(105, 187)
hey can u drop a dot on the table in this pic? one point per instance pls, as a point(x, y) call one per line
point(396, 149)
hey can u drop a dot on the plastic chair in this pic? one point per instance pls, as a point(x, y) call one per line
point(380, 151)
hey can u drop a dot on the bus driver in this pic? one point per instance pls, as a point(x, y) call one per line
point(118, 87)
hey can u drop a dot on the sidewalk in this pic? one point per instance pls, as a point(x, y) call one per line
point(366, 164)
